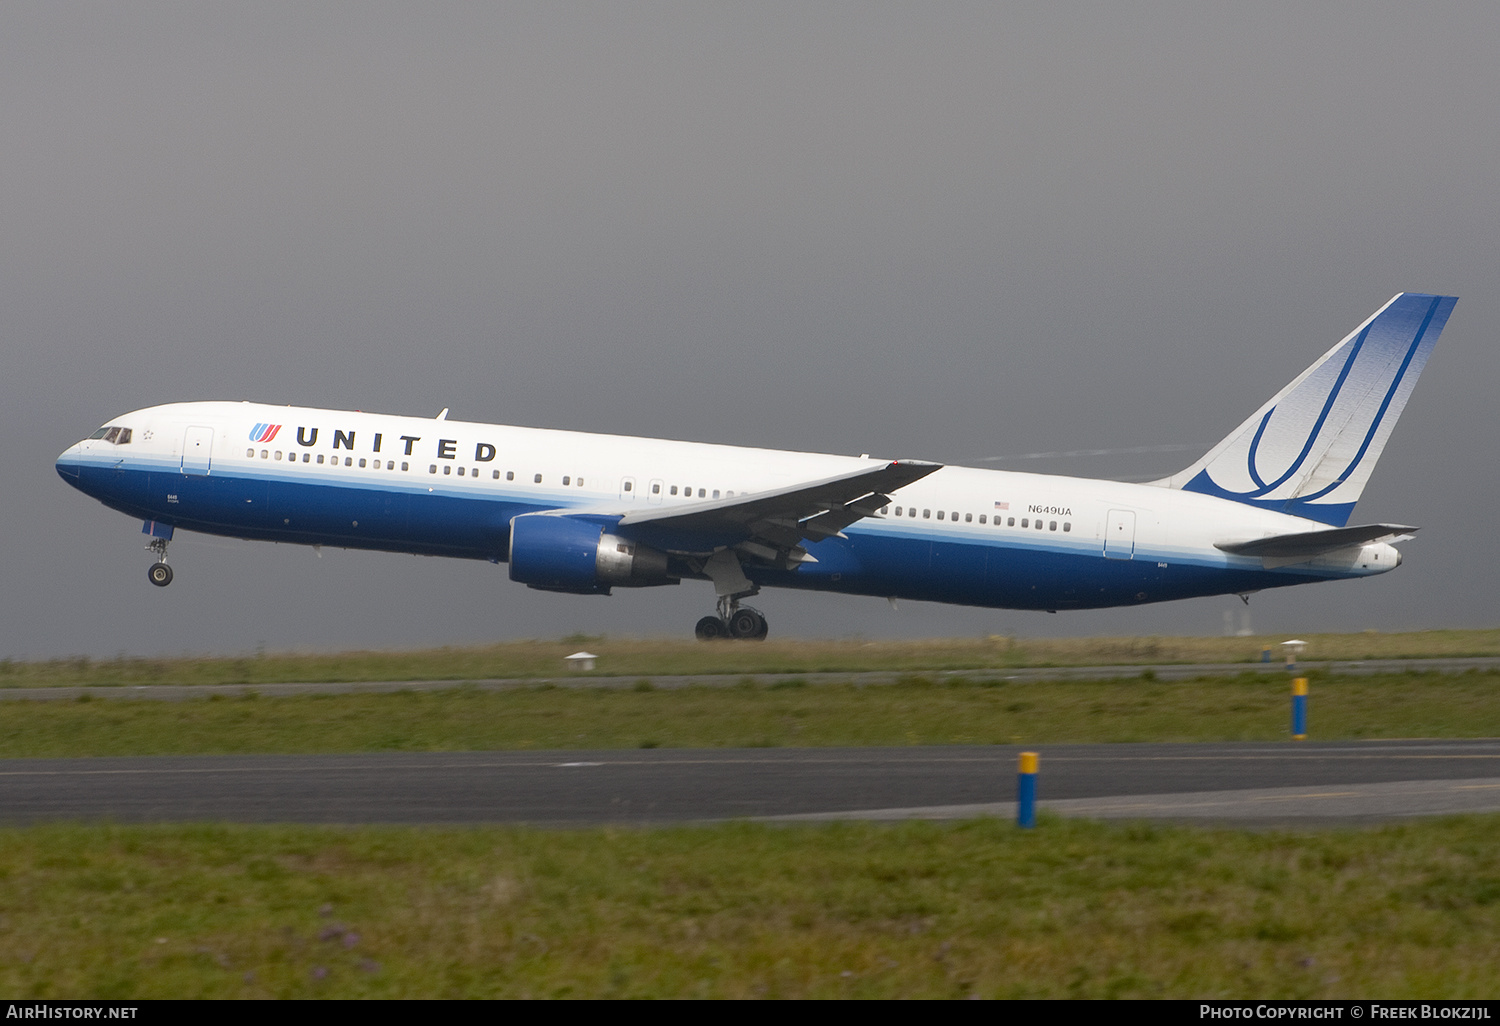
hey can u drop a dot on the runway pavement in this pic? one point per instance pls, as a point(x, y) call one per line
point(1286, 782)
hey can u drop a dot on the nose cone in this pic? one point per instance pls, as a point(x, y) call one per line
point(70, 463)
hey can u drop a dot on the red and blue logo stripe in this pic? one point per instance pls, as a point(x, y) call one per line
point(264, 432)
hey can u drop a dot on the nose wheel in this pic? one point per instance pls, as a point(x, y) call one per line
point(159, 573)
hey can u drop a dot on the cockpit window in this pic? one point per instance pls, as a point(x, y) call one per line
point(114, 435)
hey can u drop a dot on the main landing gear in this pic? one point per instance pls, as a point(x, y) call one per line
point(734, 621)
point(159, 572)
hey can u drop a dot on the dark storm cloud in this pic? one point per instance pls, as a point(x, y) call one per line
point(940, 231)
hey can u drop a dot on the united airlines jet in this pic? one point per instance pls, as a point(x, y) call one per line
point(1267, 507)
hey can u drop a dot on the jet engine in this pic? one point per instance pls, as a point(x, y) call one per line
point(571, 554)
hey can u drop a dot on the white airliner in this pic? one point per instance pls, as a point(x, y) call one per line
point(584, 513)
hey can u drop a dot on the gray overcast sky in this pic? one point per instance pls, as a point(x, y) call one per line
point(942, 231)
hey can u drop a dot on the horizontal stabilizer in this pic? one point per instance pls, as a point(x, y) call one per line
point(1309, 544)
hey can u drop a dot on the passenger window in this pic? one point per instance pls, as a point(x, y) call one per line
point(628, 484)
point(927, 514)
point(348, 461)
point(1010, 522)
point(1038, 525)
point(940, 514)
point(460, 470)
point(1067, 526)
point(969, 518)
point(494, 475)
point(390, 464)
point(1025, 522)
point(265, 454)
point(911, 511)
point(655, 488)
point(567, 480)
point(716, 493)
point(447, 469)
point(361, 463)
point(278, 455)
point(580, 482)
point(674, 489)
point(510, 475)
point(702, 493)
point(307, 457)
point(1052, 525)
point(405, 465)
point(250, 454)
point(538, 480)
point(981, 518)
point(954, 516)
point(431, 469)
point(320, 457)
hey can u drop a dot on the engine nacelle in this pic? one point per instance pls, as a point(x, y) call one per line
point(570, 554)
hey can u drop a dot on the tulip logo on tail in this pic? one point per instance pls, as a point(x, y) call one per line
point(1309, 451)
point(264, 432)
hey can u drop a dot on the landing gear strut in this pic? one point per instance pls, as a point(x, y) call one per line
point(159, 572)
point(734, 621)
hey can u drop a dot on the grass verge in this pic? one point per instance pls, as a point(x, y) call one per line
point(916, 711)
point(633, 657)
point(1072, 909)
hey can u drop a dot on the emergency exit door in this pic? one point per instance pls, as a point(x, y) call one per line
point(197, 450)
point(1119, 534)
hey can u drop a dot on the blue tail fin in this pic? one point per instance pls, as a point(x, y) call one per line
point(1310, 450)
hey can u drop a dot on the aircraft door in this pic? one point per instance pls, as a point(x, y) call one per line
point(1119, 534)
point(654, 491)
point(627, 489)
point(197, 450)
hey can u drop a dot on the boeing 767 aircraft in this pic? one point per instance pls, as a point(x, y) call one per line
point(1267, 507)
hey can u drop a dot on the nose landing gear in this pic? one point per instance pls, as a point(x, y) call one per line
point(734, 621)
point(159, 573)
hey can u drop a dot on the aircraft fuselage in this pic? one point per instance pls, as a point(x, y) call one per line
point(448, 488)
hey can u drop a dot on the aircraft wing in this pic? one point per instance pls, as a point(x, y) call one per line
point(780, 519)
point(1309, 544)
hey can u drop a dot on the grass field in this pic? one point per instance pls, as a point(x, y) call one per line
point(915, 711)
point(635, 657)
point(1072, 909)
